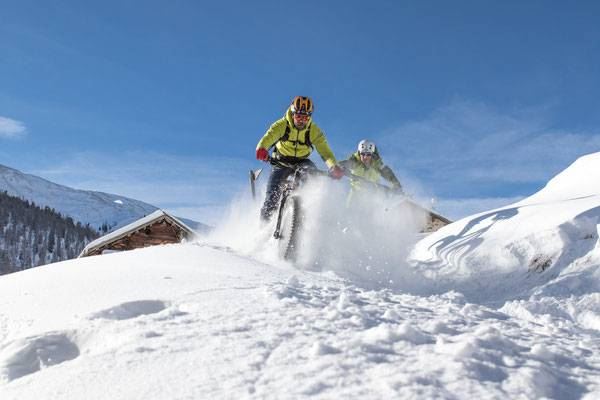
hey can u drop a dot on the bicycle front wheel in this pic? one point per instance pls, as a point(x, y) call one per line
point(289, 228)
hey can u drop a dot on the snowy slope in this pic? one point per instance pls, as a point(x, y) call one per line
point(193, 321)
point(503, 304)
point(95, 208)
point(546, 244)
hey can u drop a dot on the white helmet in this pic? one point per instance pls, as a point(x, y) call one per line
point(365, 146)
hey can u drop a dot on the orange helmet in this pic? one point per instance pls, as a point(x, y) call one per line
point(302, 105)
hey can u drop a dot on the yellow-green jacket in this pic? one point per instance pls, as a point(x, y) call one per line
point(291, 142)
point(373, 172)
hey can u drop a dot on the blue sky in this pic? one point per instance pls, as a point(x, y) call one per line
point(476, 103)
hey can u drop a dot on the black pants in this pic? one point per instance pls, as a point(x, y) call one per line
point(278, 176)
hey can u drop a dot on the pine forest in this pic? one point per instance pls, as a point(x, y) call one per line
point(31, 236)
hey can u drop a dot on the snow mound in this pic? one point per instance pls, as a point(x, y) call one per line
point(537, 259)
point(544, 245)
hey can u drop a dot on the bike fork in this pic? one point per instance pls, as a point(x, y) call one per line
point(277, 234)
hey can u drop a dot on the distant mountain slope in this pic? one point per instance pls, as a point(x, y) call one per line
point(88, 207)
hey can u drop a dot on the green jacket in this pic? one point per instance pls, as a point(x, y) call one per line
point(298, 143)
point(373, 173)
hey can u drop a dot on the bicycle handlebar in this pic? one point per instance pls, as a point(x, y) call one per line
point(386, 188)
point(295, 167)
point(347, 173)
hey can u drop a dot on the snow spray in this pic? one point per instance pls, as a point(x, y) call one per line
point(365, 239)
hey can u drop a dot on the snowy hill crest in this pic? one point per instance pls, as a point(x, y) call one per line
point(545, 244)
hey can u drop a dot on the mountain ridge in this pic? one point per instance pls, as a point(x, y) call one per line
point(86, 206)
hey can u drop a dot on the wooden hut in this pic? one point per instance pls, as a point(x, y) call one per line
point(154, 229)
point(433, 220)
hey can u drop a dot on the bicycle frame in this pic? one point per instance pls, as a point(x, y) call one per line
point(293, 182)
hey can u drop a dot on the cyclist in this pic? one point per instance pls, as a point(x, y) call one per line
point(294, 136)
point(367, 163)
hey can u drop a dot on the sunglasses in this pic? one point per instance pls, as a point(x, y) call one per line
point(301, 116)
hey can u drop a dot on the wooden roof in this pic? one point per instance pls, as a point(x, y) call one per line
point(159, 216)
point(435, 220)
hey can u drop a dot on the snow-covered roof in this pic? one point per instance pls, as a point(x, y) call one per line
point(133, 227)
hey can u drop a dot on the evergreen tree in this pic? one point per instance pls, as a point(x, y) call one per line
point(32, 236)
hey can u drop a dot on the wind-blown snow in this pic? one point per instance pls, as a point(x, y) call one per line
point(503, 304)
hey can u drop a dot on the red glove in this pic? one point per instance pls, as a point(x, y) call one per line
point(336, 172)
point(262, 154)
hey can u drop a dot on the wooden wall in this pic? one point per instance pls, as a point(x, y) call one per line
point(155, 234)
point(434, 223)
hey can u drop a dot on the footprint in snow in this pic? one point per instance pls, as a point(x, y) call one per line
point(29, 355)
point(132, 309)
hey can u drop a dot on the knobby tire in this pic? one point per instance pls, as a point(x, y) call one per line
point(289, 228)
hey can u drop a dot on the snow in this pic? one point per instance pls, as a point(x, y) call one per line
point(500, 254)
point(502, 304)
point(85, 206)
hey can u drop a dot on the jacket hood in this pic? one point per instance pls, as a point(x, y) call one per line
point(376, 163)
